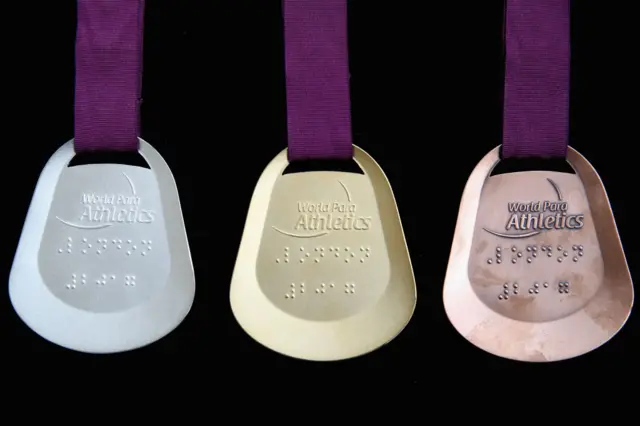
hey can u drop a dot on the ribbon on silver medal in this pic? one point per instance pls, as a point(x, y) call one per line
point(103, 262)
point(323, 271)
point(537, 271)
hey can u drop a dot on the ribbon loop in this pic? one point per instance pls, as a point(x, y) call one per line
point(317, 79)
point(108, 75)
point(536, 95)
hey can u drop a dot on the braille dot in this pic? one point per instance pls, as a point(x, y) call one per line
point(519, 254)
point(506, 297)
point(144, 254)
point(317, 260)
point(515, 292)
point(574, 247)
point(530, 291)
point(322, 291)
point(68, 251)
point(337, 254)
point(119, 247)
point(559, 259)
point(559, 248)
point(529, 260)
point(536, 285)
point(506, 285)
point(513, 249)
point(515, 285)
point(506, 291)
point(535, 248)
point(528, 248)
point(580, 248)
point(301, 260)
point(566, 253)
point(545, 285)
point(353, 255)
point(321, 254)
point(549, 254)
point(318, 290)
point(367, 255)
point(580, 254)
point(498, 249)
point(59, 250)
point(128, 253)
point(498, 255)
point(500, 296)
point(543, 248)
point(277, 260)
point(323, 285)
point(306, 255)
point(302, 290)
point(534, 254)
point(301, 248)
point(514, 260)
point(536, 291)
point(346, 261)
point(489, 261)
point(498, 261)
point(575, 259)
point(286, 296)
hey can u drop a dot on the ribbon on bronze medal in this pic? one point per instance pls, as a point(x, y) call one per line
point(537, 73)
point(108, 75)
point(103, 263)
point(323, 272)
point(536, 262)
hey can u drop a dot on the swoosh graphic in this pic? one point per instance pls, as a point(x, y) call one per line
point(532, 233)
point(73, 225)
point(102, 225)
point(298, 235)
point(500, 234)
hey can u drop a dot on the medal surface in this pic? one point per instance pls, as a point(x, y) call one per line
point(323, 271)
point(537, 271)
point(103, 262)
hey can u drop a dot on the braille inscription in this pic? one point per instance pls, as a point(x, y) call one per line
point(317, 255)
point(531, 252)
point(513, 289)
point(297, 290)
point(80, 280)
point(99, 246)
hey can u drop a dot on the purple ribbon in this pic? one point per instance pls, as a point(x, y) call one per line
point(536, 95)
point(108, 75)
point(317, 75)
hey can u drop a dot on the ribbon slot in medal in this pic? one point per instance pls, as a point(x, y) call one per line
point(537, 271)
point(323, 271)
point(103, 262)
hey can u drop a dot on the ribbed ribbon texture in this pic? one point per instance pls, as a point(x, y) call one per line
point(317, 79)
point(536, 95)
point(108, 75)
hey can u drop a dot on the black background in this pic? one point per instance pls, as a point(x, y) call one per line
point(426, 88)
